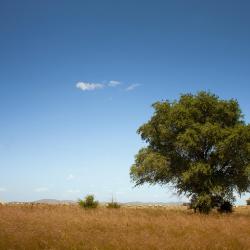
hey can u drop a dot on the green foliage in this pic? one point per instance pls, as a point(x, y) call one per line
point(88, 202)
point(200, 145)
point(248, 202)
point(226, 207)
point(113, 204)
point(204, 203)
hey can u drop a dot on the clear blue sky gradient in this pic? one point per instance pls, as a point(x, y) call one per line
point(57, 141)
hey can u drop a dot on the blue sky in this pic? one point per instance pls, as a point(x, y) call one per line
point(60, 139)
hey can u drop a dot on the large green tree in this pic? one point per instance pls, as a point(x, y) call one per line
point(200, 144)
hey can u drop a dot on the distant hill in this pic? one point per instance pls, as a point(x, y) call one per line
point(54, 201)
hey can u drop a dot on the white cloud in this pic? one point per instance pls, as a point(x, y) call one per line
point(73, 191)
point(70, 177)
point(132, 86)
point(113, 83)
point(90, 86)
point(2, 189)
point(41, 189)
point(86, 86)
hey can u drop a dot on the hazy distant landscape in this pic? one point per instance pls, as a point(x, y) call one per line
point(133, 203)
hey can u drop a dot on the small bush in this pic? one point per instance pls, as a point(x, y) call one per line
point(113, 204)
point(248, 202)
point(88, 202)
point(225, 207)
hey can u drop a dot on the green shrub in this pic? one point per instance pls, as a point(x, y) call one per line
point(248, 202)
point(113, 204)
point(225, 207)
point(88, 202)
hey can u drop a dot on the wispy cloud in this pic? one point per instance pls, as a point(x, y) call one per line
point(133, 86)
point(91, 86)
point(2, 189)
point(70, 177)
point(113, 83)
point(88, 86)
point(41, 189)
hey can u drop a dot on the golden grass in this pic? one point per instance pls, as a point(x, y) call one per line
point(70, 227)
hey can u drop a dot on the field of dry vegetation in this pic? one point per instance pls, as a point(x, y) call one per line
point(70, 227)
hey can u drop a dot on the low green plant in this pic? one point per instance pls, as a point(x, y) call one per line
point(248, 202)
point(88, 202)
point(113, 204)
point(225, 207)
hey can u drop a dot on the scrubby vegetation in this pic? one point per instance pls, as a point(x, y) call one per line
point(113, 204)
point(88, 202)
point(68, 227)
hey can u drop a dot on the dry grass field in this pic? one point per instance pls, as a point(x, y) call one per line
point(70, 227)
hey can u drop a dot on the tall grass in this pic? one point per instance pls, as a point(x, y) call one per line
point(71, 227)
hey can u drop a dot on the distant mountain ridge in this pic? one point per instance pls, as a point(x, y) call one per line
point(54, 201)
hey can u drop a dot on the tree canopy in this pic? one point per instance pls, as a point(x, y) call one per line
point(200, 144)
